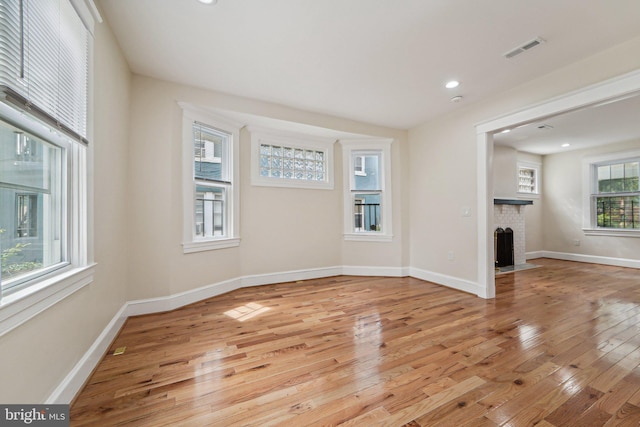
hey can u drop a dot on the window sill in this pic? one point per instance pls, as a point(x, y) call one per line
point(292, 183)
point(612, 232)
point(210, 245)
point(20, 306)
point(367, 237)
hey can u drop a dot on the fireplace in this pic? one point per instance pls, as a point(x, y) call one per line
point(509, 235)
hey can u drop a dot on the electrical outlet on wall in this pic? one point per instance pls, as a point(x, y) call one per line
point(576, 242)
point(450, 255)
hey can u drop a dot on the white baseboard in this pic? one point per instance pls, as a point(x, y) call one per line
point(171, 302)
point(448, 281)
point(351, 270)
point(73, 382)
point(534, 255)
point(593, 259)
point(290, 276)
point(75, 379)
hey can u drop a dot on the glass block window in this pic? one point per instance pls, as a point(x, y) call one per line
point(528, 178)
point(292, 163)
point(284, 159)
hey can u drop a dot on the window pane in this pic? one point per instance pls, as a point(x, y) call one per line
point(366, 172)
point(618, 212)
point(209, 149)
point(31, 215)
point(631, 176)
point(604, 179)
point(618, 177)
point(366, 208)
point(209, 208)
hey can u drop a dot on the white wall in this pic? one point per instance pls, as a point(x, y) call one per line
point(563, 194)
point(443, 165)
point(533, 213)
point(281, 229)
point(37, 355)
point(505, 172)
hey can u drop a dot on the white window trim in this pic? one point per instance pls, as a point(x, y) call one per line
point(588, 181)
point(383, 146)
point(537, 178)
point(16, 307)
point(191, 243)
point(295, 140)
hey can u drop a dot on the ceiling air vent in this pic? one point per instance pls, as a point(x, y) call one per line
point(523, 48)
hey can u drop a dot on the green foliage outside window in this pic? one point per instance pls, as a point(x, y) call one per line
point(11, 266)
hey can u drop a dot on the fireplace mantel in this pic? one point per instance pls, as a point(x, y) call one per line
point(512, 202)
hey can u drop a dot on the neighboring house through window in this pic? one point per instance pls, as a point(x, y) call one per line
point(367, 192)
point(211, 190)
point(27, 215)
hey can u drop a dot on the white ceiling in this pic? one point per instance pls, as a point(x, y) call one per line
point(378, 61)
point(604, 123)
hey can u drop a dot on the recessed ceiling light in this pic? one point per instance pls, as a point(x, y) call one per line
point(208, 1)
point(506, 131)
point(452, 84)
point(565, 145)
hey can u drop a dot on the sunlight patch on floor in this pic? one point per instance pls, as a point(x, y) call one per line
point(247, 311)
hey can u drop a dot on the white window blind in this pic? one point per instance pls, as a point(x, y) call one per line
point(44, 62)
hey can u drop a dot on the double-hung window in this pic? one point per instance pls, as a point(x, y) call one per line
point(367, 192)
point(210, 181)
point(44, 81)
point(614, 194)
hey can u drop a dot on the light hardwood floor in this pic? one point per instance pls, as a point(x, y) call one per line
point(559, 346)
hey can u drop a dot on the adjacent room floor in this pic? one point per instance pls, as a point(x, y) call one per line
point(559, 346)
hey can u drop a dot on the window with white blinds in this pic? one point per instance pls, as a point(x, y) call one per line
point(44, 62)
point(44, 194)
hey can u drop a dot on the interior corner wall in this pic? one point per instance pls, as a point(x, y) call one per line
point(281, 229)
point(563, 206)
point(443, 163)
point(37, 355)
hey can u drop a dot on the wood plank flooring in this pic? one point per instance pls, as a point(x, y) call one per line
point(559, 346)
